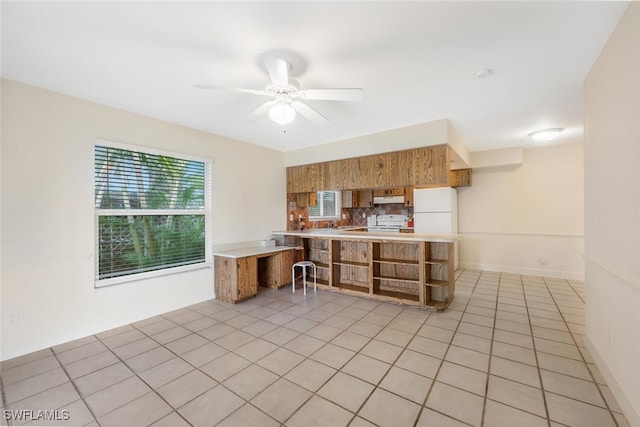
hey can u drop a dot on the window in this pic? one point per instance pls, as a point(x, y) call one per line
point(328, 206)
point(151, 213)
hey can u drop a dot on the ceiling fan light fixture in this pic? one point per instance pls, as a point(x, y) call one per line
point(545, 134)
point(282, 113)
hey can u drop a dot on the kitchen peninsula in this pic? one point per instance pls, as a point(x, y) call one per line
point(413, 269)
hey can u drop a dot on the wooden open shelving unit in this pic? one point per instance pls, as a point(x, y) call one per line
point(439, 274)
point(410, 272)
point(350, 265)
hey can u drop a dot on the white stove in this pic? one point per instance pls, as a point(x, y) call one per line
point(388, 223)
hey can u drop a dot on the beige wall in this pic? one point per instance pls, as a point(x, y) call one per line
point(612, 212)
point(526, 218)
point(47, 293)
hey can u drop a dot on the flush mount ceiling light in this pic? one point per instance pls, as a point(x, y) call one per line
point(545, 134)
point(282, 112)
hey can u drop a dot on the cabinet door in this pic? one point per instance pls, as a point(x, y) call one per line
point(302, 200)
point(332, 180)
point(247, 280)
point(316, 179)
point(431, 166)
point(347, 199)
point(400, 165)
point(365, 198)
point(225, 280)
point(408, 196)
point(297, 179)
point(290, 179)
point(313, 199)
point(461, 178)
point(354, 170)
point(379, 171)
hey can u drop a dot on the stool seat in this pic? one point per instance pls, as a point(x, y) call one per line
point(303, 265)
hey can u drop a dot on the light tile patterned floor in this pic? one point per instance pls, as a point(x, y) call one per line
point(508, 352)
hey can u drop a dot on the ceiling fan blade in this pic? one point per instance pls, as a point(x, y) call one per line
point(309, 113)
point(346, 94)
point(260, 111)
point(277, 68)
point(232, 89)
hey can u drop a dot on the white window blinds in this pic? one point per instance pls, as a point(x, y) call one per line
point(150, 212)
point(328, 206)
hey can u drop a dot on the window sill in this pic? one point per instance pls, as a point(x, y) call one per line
point(103, 283)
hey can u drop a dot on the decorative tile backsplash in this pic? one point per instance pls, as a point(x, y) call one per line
point(352, 216)
point(359, 215)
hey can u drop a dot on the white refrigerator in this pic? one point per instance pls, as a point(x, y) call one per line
point(435, 211)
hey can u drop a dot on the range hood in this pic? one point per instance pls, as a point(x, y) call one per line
point(380, 200)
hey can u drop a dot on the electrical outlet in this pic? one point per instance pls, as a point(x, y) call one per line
point(14, 319)
point(291, 217)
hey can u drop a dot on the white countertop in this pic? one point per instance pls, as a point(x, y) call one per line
point(335, 233)
point(254, 251)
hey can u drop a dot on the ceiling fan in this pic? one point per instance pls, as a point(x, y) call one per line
point(287, 96)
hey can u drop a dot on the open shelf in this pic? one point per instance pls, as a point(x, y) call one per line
point(437, 283)
point(351, 263)
point(419, 273)
point(321, 265)
point(396, 261)
point(396, 279)
point(352, 287)
point(399, 295)
point(320, 281)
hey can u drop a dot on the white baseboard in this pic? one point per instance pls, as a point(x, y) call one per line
point(569, 275)
point(632, 414)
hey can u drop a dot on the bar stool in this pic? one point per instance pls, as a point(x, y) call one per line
point(303, 265)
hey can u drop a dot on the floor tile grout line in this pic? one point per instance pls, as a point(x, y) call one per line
point(493, 332)
point(64, 369)
point(285, 373)
point(468, 304)
point(375, 386)
point(3, 400)
point(535, 355)
point(585, 362)
point(435, 376)
point(152, 390)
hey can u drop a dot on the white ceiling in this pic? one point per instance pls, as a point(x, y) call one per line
point(416, 62)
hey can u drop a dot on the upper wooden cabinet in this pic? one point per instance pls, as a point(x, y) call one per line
point(364, 198)
point(461, 178)
point(387, 192)
point(431, 166)
point(408, 197)
point(400, 165)
point(424, 167)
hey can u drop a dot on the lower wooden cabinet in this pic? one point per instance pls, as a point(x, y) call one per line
point(235, 278)
point(412, 272)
